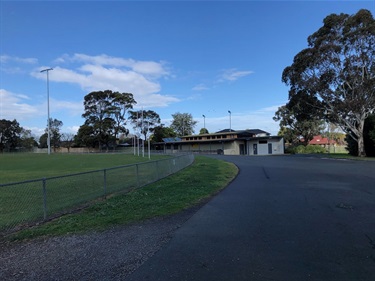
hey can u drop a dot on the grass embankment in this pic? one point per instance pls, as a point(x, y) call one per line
point(182, 190)
point(27, 166)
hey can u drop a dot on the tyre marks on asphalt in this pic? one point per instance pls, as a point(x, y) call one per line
point(265, 173)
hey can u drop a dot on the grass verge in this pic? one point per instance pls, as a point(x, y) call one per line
point(205, 177)
point(348, 156)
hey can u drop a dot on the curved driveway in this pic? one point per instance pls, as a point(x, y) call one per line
point(283, 218)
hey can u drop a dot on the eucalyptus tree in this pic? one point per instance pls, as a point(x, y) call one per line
point(55, 127)
point(160, 132)
point(105, 113)
point(55, 136)
point(337, 71)
point(9, 134)
point(183, 124)
point(203, 131)
point(67, 140)
point(27, 140)
point(144, 121)
point(299, 121)
point(121, 105)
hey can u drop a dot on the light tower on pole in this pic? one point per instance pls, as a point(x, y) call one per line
point(230, 121)
point(48, 118)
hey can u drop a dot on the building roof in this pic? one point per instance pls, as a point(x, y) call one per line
point(253, 131)
point(256, 132)
point(176, 139)
point(226, 131)
point(221, 136)
point(321, 140)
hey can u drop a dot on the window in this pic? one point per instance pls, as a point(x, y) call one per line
point(262, 141)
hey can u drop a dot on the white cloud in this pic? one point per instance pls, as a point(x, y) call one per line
point(72, 129)
point(6, 59)
point(94, 73)
point(15, 106)
point(258, 119)
point(36, 131)
point(73, 108)
point(156, 69)
point(19, 107)
point(233, 74)
point(200, 87)
point(15, 65)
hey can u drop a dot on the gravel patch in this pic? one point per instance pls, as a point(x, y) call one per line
point(109, 255)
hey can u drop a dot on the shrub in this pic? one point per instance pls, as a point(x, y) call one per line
point(309, 149)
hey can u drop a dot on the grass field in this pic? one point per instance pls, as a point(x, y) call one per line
point(32, 200)
point(27, 166)
point(204, 177)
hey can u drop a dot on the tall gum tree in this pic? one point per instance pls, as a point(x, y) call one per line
point(105, 113)
point(338, 70)
point(183, 124)
point(144, 121)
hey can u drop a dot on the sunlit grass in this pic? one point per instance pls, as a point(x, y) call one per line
point(204, 177)
point(27, 166)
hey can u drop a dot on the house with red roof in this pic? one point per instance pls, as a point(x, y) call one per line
point(319, 140)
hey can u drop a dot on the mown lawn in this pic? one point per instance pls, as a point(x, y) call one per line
point(32, 200)
point(27, 166)
point(205, 177)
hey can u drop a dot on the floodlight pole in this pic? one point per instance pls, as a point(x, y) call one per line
point(134, 144)
point(142, 128)
point(230, 121)
point(204, 121)
point(48, 120)
point(148, 132)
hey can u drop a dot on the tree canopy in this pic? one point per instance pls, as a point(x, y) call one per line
point(9, 134)
point(144, 121)
point(297, 122)
point(203, 131)
point(161, 132)
point(337, 72)
point(13, 136)
point(183, 124)
point(104, 115)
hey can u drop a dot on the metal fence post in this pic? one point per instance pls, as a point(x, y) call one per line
point(63, 197)
point(44, 199)
point(105, 183)
point(157, 170)
point(137, 174)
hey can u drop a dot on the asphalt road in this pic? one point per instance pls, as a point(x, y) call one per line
point(283, 218)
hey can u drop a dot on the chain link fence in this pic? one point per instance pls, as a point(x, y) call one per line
point(29, 202)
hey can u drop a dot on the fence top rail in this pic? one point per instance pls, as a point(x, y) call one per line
point(91, 172)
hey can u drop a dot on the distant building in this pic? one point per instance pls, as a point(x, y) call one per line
point(319, 140)
point(228, 142)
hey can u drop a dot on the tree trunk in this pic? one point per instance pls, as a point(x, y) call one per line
point(361, 144)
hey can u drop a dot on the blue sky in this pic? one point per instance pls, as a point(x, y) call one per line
point(199, 57)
